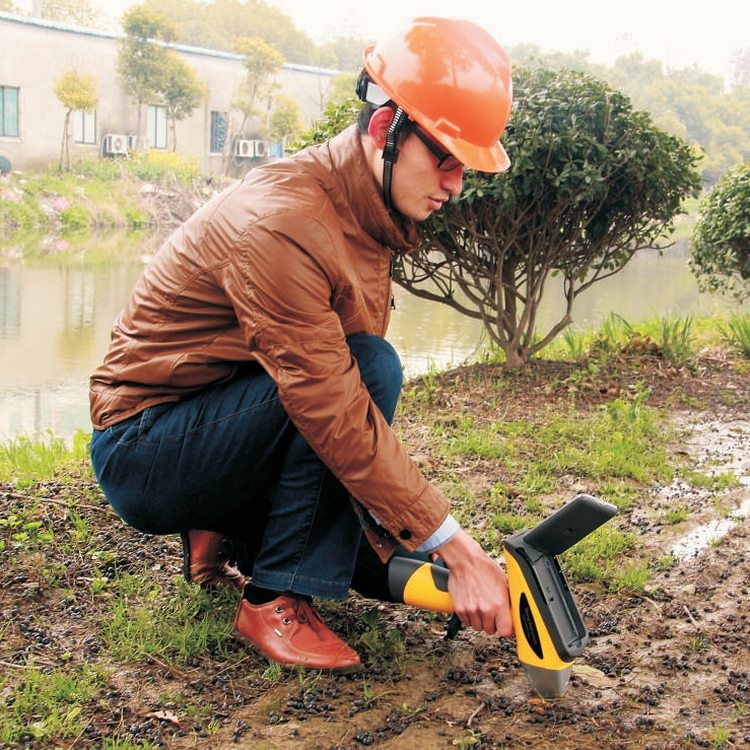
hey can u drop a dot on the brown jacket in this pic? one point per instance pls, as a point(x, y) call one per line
point(279, 269)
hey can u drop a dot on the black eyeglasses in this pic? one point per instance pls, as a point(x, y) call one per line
point(446, 161)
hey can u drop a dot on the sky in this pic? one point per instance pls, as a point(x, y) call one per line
point(703, 32)
point(706, 33)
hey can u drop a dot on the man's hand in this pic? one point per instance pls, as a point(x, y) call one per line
point(478, 586)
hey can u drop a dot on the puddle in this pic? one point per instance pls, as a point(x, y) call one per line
point(692, 543)
point(715, 447)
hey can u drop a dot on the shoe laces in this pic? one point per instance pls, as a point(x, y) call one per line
point(304, 612)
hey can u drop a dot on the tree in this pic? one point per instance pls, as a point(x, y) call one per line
point(77, 92)
point(262, 62)
point(285, 120)
point(342, 53)
point(183, 92)
point(591, 182)
point(217, 24)
point(741, 68)
point(7, 6)
point(143, 63)
point(78, 12)
point(720, 243)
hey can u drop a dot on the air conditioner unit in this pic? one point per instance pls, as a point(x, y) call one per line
point(115, 145)
point(259, 148)
point(244, 149)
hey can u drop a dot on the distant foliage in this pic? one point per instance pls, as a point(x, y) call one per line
point(720, 244)
point(690, 103)
point(78, 12)
point(286, 122)
point(262, 63)
point(151, 71)
point(215, 25)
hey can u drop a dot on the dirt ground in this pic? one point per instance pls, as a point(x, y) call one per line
point(663, 670)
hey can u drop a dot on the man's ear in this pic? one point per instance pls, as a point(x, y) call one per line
point(377, 129)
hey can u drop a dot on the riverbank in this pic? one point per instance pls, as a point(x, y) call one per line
point(104, 645)
point(154, 190)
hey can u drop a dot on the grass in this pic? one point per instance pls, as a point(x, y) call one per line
point(736, 333)
point(46, 703)
point(624, 442)
point(677, 340)
point(674, 339)
point(24, 461)
point(142, 623)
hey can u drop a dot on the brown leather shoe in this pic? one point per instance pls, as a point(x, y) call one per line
point(205, 560)
point(290, 630)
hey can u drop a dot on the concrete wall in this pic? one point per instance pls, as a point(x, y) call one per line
point(33, 53)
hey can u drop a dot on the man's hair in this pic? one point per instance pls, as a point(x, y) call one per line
point(365, 114)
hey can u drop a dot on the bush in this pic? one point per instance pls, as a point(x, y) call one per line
point(163, 166)
point(75, 218)
point(720, 243)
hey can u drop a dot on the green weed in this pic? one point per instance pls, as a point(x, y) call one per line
point(625, 440)
point(723, 480)
point(591, 559)
point(139, 621)
point(372, 639)
point(43, 706)
point(719, 738)
point(736, 333)
point(675, 515)
point(698, 643)
point(633, 578)
point(274, 672)
point(24, 461)
point(674, 339)
point(472, 739)
point(509, 523)
point(677, 339)
point(467, 436)
point(667, 562)
point(577, 344)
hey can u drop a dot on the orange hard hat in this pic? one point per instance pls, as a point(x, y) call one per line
point(452, 78)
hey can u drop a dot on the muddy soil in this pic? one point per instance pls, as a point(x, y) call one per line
point(664, 669)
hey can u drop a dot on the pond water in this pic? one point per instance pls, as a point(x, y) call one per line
point(57, 306)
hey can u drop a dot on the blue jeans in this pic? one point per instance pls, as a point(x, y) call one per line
point(229, 459)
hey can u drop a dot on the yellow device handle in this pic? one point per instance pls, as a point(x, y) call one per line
point(424, 586)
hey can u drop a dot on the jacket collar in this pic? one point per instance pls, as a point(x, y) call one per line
point(389, 228)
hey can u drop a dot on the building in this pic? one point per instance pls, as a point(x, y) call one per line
point(34, 53)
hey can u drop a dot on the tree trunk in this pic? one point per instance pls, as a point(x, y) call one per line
point(65, 144)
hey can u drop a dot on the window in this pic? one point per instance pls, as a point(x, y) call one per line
point(84, 127)
point(9, 112)
point(157, 126)
point(218, 132)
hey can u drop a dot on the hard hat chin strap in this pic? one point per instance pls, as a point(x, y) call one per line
point(390, 153)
